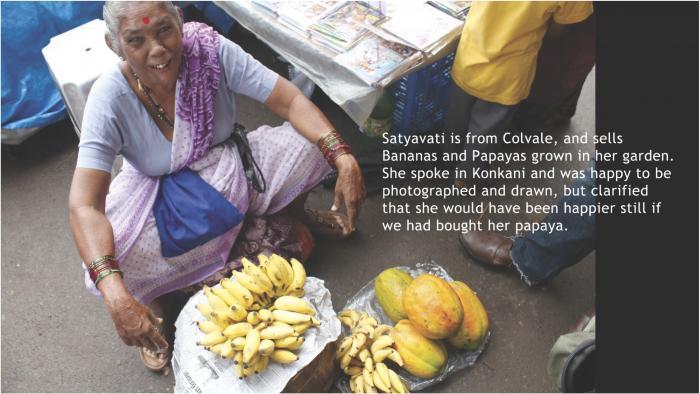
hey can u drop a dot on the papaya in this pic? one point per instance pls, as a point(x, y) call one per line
point(475, 325)
point(433, 307)
point(388, 288)
point(422, 357)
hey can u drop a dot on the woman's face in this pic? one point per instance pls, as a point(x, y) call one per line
point(151, 42)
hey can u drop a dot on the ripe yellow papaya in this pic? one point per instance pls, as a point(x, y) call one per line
point(433, 307)
point(475, 324)
point(422, 357)
point(388, 288)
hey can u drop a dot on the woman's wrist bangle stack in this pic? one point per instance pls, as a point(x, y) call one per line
point(333, 146)
point(102, 267)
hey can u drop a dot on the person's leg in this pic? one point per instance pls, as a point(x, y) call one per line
point(540, 256)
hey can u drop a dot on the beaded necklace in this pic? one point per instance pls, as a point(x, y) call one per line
point(160, 112)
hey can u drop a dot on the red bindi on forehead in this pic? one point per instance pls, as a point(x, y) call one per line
point(146, 20)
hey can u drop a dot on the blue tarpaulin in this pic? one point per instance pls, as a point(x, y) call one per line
point(30, 97)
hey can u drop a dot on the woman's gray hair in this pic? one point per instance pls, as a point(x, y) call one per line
point(113, 10)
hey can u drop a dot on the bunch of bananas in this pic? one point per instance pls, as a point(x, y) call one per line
point(257, 315)
point(362, 353)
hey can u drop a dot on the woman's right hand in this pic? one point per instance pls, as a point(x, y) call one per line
point(135, 323)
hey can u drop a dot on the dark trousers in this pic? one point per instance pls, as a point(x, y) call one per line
point(540, 256)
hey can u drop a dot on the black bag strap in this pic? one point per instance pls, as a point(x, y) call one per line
point(252, 170)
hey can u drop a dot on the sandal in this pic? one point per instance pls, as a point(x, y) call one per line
point(329, 224)
point(153, 360)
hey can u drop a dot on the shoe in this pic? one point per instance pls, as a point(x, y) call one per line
point(488, 247)
point(329, 224)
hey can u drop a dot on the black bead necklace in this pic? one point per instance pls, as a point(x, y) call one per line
point(160, 112)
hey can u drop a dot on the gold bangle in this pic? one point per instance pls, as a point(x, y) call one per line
point(106, 273)
point(100, 260)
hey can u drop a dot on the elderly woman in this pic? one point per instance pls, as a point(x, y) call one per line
point(171, 216)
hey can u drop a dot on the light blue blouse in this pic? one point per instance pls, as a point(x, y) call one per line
point(116, 122)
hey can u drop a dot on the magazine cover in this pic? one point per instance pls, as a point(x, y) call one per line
point(265, 196)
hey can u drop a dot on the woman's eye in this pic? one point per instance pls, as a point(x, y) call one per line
point(134, 40)
point(164, 29)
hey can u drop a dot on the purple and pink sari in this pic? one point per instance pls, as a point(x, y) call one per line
point(290, 164)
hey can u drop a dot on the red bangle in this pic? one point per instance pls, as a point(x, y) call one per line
point(333, 146)
point(95, 269)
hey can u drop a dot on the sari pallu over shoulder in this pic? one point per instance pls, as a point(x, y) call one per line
point(131, 197)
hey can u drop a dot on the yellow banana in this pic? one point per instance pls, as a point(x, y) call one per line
point(265, 315)
point(396, 383)
point(283, 356)
point(368, 320)
point(236, 313)
point(273, 273)
point(345, 360)
point(290, 317)
point(284, 268)
point(239, 369)
point(211, 339)
point(395, 357)
point(367, 377)
point(353, 315)
point(238, 330)
point(261, 365)
point(252, 344)
point(260, 326)
point(276, 332)
point(294, 304)
point(379, 383)
point(380, 343)
point(250, 283)
point(238, 343)
point(216, 349)
point(214, 300)
point(346, 320)
point(249, 368)
point(289, 343)
point(343, 347)
point(253, 318)
point(224, 295)
point(301, 327)
point(357, 343)
point(267, 346)
point(366, 329)
point(381, 330)
point(299, 276)
point(351, 382)
point(238, 359)
point(227, 350)
point(364, 355)
point(369, 364)
point(381, 355)
point(359, 384)
point(207, 326)
point(255, 272)
point(352, 371)
point(220, 318)
point(383, 372)
point(243, 295)
point(205, 310)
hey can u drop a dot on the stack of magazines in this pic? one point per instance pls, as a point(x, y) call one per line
point(374, 58)
point(455, 9)
point(419, 26)
point(344, 26)
point(299, 15)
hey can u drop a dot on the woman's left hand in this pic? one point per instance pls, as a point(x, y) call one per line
point(349, 188)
